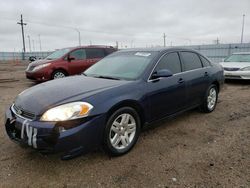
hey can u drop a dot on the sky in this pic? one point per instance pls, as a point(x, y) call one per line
point(131, 23)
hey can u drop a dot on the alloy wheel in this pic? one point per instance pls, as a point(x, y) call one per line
point(122, 131)
point(211, 99)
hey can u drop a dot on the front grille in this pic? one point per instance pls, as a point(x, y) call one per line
point(232, 77)
point(231, 69)
point(23, 113)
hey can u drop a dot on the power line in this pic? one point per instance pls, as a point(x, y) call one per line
point(22, 24)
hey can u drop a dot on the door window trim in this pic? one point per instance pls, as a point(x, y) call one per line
point(166, 53)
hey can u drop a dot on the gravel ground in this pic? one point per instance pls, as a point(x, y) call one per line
point(191, 150)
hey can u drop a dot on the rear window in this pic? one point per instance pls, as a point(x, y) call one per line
point(191, 61)
point(205, 62)
point(94, 53)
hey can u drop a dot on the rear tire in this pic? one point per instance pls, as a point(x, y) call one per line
point(58, 74)
point(210, 99)
point(122, 131)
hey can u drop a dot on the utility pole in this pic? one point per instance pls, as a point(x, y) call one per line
point(29, 43)
point(40, 44)
point(217, 41)
point(22, 24)
point(242, 31)
point(164, 39)
point(33, 45)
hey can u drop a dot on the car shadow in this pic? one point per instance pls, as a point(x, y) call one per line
point(237, 82)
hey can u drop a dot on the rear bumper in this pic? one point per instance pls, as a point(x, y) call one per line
point(237, 75)
point(48, 137)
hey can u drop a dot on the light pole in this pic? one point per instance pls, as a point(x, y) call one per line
point(39, 36)
point(79, 36)
point(242, 31)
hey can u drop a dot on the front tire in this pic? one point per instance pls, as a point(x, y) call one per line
point(58, 74)
point(122, 131)
point(210, 100)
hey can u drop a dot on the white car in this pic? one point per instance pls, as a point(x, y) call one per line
point(237, 66)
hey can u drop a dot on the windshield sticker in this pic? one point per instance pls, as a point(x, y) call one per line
point(144, 54)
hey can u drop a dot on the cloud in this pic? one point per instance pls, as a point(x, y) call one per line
point(133, 23)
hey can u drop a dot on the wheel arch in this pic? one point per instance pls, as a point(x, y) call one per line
point(215, 82)
point(129, 103)
point(60, 69)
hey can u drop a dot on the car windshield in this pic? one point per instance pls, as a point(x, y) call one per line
point(238, 58)
point(58, 53)
point(121, 65)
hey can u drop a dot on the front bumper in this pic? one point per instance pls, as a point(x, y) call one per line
point(39, 75)
point(48, 137)
point(237, 74)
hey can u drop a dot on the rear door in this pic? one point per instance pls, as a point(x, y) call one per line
point(79, 62)
point(196, 77)
point(167, 95)
point(94, 55)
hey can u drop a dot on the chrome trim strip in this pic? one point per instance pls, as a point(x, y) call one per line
point(14, 111)
point(149, 80)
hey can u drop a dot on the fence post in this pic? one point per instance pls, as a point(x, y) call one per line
point(229, 49)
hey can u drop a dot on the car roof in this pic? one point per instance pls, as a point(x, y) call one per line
point(239, 53)
point(87, 46)
point(157, 49)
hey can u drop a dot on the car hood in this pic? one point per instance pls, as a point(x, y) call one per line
point(41, 97)
point(235, 64)
point(40, 62)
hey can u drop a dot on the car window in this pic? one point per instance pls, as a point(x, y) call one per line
point(94, 53)
point(191, 61)
point(123, 65)
point(171, 62)
point(78, 54)
point(110, 50)
point(238, 58)
point(205, 62)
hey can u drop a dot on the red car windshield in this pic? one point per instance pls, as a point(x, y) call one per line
point(58, 54)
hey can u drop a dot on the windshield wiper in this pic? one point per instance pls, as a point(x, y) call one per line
point(108, 77)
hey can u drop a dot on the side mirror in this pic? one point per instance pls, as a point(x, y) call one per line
point(223, 59)
point(162, 73)
point(70, 58)
point(32, 58)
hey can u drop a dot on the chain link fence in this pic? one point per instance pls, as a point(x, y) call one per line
point(215, 52)
point(6, 56)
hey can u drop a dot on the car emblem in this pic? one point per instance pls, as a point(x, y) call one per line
point(19, 112)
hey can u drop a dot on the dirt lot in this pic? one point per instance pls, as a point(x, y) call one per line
point(192, 150)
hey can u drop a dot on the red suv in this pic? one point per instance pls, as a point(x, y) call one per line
point(67, 61)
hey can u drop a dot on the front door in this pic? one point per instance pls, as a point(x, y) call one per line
point(167, 95)
point(77, 61)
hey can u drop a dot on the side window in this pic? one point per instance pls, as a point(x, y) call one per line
point(191, 61)
point(171, 62)
point(94, 53)
point(78, 54)
point(109, 51)
point(205, 62)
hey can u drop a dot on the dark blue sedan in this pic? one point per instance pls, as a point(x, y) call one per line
point(113, 100)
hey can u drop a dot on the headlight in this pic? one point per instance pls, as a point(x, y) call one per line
point(68, 111)
point(41, 66)
point(245, 69)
